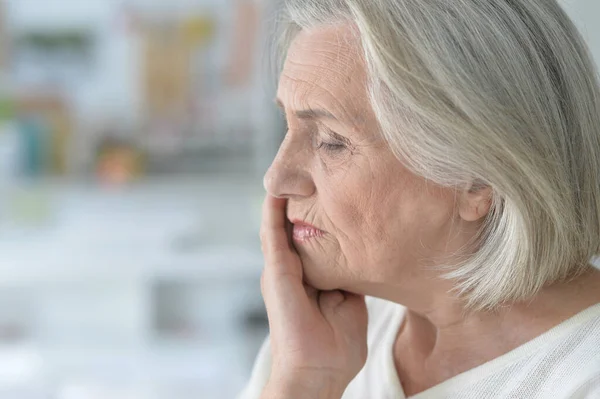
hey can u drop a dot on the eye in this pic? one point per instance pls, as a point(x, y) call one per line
point(332, 147)
point(331, 143)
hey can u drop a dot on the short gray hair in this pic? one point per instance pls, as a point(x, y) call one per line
point(501, 93)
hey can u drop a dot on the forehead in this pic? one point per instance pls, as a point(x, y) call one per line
point(324, 67)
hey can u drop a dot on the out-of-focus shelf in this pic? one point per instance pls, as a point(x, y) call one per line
point(214, 264)
point(176, 230)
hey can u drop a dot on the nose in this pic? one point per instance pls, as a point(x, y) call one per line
point(289, 175)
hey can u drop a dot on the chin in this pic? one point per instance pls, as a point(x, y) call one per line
point(318, 274)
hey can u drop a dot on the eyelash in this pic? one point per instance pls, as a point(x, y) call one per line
point(332, 147)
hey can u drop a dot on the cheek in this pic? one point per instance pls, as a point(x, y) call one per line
point(341, 203)
point(420, 221)
point(403, 218)
point(355, 204)
point(349, 219)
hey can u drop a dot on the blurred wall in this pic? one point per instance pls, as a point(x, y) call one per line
point(586, 15)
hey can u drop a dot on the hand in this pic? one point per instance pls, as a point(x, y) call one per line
point(318, 339)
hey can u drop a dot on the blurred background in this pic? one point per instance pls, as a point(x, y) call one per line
point(133, 139)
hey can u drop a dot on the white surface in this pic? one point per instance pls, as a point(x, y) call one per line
point(133, 234)
point(86, 283)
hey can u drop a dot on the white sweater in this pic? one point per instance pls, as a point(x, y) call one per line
point(562, 363)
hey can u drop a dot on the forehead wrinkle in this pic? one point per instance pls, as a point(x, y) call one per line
point(348, 111)
point(309, 84)
point(313, 93)
point(338, 45)
point(300, 89)
point(336, 57)
point(344, 57)
point(325, 70)
point(313, 70)
point(338, 35)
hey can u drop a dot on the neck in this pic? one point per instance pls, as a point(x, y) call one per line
point(552, 305)
point(441, 340)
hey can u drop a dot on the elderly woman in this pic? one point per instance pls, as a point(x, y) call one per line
point(443, 160)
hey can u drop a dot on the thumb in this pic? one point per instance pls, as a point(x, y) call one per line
point(341, 307)
point(354, 308)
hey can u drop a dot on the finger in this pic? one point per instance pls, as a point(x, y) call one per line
point(312, 293)
point(273, 225)
point(290, 304)
point(354, 305)
point(353, 313)
point(282, 282)
point(330, 300)
point(341, 306)
point(274, 212)
point(280, 256)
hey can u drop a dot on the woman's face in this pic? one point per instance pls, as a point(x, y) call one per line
point(380, 225)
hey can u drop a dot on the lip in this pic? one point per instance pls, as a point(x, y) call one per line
point(303, 232)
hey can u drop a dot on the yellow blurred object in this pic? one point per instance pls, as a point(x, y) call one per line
point(197, 30)
point(167, 71)
point(61, 136)
point(169, 50)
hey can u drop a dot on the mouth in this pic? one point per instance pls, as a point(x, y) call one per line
point(303, 232)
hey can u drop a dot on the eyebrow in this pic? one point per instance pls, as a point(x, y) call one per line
point(309, 113)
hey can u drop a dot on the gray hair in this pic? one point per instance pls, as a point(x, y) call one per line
point(501, 93)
